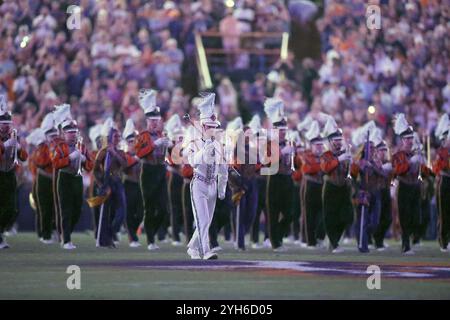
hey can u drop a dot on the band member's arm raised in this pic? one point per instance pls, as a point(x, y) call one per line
point(328, 162)
point(144, 145)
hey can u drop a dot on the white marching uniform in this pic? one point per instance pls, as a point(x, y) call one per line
point(209, 181)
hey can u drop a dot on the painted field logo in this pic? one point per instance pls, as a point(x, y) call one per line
point(74, 280)
point(373, 17)
point(374, 280)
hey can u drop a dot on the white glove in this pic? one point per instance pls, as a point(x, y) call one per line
point(287, 150)
point(221, 196)
point(11, 143)
point(387, 166)
point(74, 155)
point(344, 157)
point(416, 158)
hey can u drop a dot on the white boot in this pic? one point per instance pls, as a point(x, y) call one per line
point(152, 247)
point(134, 244)
point(69, 246)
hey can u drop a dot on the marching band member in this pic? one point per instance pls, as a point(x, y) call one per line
point(69, 156)
point(302, 128)
point(11, 151)
point(108, 166)
point(206, 156)
point(135, 209)
point(297, 177)
point(441, 168)
point(43, 193)
point(313, 184)
point(366, 172)
point(426, 193)
point(279, 185)
point(261, 181)
point(337, 205)
point(151, 147)
point(243, 182)
point(407, 167)
point(174, 130)
point(95, 135)
point(187, 172)
point(384, 184)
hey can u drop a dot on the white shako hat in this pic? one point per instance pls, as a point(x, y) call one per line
point(401, 126)
point(5, 114)
point(235, 125)
point(274, 109)
point(48, 124)
point(313, 133)
point(63, 118)
point(147, 101)
point(376, 136)
point(359, 135)
point(304, 125)
point(130, 130)
point(36, 137)
point(255, 124)
point(107, 126)
point(94, 133)
point(174, 127)
point(442, 128)
point(206, 107)
point(331, 129)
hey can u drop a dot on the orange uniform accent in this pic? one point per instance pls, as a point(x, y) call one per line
point(144, 145)
point(41, 158)
point(60, 156)
point(131, 160)
point(328, 162)
point(400, 163)
point(187, 171)
point(442, 161)
point(311, 165)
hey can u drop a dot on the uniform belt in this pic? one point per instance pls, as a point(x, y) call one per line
point(203, 179)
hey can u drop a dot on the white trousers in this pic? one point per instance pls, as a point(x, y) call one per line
point(203, 199)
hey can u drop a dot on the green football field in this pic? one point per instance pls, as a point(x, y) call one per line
point(31, 270)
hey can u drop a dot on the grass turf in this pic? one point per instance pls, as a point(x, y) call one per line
point(31, 270)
